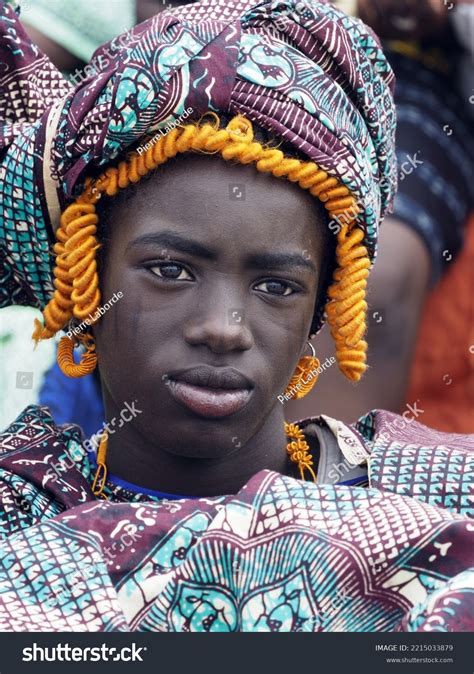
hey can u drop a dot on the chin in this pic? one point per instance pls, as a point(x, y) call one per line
point(201, 438)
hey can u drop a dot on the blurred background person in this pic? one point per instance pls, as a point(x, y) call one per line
point(421, 334)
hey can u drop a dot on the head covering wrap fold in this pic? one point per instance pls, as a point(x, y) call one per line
point(303, 71)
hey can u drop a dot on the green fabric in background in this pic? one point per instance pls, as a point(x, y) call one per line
point(80, 26)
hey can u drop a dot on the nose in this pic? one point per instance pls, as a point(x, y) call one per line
point(222, 330)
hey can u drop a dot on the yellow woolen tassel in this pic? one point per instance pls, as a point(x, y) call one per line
point(304, 377)
point(65, 357)
point(347, 309)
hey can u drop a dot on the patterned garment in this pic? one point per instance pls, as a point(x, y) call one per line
point(311, 75)
point(281, 555)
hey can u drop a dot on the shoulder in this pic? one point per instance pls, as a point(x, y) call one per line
point(382, 427)
point(411, 459)
point(405, 457)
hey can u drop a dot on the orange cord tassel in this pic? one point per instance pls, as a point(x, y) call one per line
point(298, 450)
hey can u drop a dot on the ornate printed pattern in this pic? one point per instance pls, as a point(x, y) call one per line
point(280, 555)
point(402, 461)
point(315, 78)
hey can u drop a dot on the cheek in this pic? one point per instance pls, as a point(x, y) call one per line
point(117, 331)
point(123, 357)
point(137, 330)
point(281, 345)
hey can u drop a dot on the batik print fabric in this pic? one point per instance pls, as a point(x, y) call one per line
point(281, 555)
point(311, 76)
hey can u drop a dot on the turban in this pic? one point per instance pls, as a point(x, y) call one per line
point(304, 72)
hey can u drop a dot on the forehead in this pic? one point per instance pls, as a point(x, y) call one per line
point(220, 203)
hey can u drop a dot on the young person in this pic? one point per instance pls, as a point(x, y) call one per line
point(202, 510)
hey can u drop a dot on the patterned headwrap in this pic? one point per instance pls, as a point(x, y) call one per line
point(304, 72)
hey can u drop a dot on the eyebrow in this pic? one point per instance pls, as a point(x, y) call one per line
point(175, 241)
point(277, 260)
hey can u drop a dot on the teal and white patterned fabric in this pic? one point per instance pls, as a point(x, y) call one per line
point(281, 555)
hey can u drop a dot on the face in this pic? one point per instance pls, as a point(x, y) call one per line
point(219, 268)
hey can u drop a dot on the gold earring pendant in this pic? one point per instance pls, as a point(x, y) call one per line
point(305, 376)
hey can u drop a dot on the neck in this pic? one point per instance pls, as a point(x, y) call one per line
point(132, 457)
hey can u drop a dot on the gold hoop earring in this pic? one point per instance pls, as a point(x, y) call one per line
point(305, 376)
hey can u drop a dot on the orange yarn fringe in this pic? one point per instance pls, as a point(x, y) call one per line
point(347, 308)
point(100, 477)
point(75, 275)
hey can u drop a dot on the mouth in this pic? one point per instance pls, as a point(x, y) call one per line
point(210, 392)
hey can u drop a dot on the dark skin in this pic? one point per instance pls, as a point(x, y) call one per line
point(260, 256)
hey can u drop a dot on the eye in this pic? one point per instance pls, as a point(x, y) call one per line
point(171, 271)
point(276, 287)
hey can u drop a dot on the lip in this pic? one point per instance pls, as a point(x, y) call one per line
point(210, 392)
